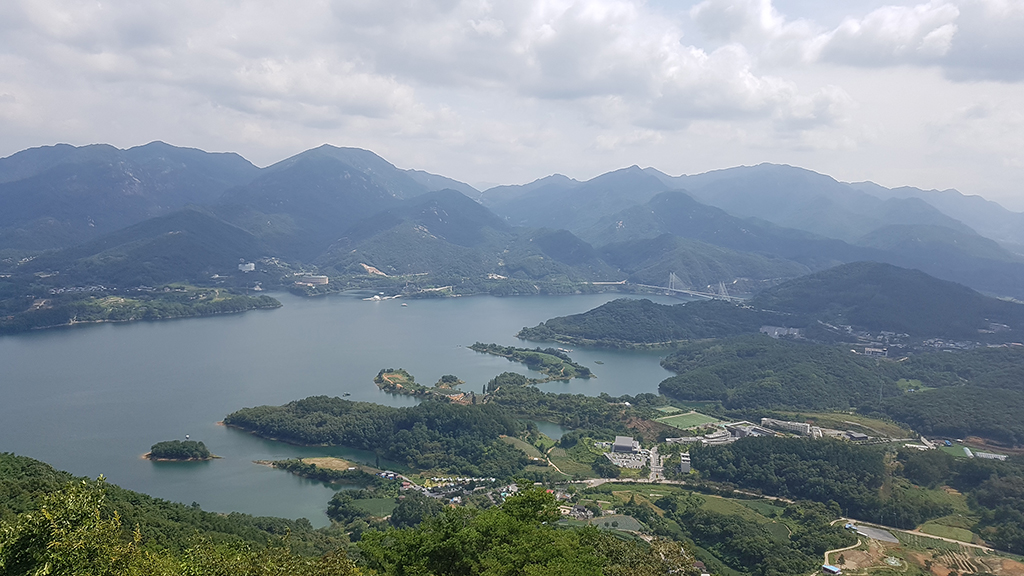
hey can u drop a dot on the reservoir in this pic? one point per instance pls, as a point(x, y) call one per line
point(92, 399)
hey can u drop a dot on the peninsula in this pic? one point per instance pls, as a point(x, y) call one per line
point(554, 364)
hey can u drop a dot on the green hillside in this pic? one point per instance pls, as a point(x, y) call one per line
point(190, 245)
point(626, 322)
point(874, 296)
point(697, 264)
point(58, 196)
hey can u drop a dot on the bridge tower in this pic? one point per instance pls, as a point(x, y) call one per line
point(674, 283)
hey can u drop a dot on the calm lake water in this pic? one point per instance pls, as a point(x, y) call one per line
point(92, 399)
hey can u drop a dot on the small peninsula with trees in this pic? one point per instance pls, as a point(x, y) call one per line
point(179, 451)
point(553, 363)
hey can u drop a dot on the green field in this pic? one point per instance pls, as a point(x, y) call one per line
point(623, 523)
point(950, 532)
point(379, 507)
point(530, 450)
point(560, 458)
point(687, 420)
point(848, 421)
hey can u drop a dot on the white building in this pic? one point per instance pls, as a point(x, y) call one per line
point(684, 466)
point(797, 427)
point(625, 444)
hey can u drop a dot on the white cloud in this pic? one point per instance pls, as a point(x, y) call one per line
point(487, 90)
point(892, 34)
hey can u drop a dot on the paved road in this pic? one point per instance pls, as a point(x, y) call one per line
point(841, 550)
point(656, 468)
point(917, 533)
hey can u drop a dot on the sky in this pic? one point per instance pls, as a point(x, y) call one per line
point(926, 94)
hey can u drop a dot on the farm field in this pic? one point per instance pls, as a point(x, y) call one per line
point(530, 449)
point(848, 421)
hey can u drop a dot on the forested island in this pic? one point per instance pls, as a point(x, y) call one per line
point(179, 451)
point(553, 363)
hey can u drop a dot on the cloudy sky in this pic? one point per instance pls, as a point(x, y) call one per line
point(924, 94)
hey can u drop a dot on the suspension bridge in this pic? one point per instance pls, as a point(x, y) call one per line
point(677, 286)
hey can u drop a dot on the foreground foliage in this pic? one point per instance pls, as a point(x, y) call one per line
point(72, 532)
point(518, 538)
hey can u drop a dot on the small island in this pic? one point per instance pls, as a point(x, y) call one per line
point(553, 363)
point(398, 381)
point(178, 451)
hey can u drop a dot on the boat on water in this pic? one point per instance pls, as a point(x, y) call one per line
point(404, 304)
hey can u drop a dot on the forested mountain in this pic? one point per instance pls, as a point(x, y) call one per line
point(874, 296)
point(447, 234)
point(698, 265)
point(436, 182)
point(341, 208)
point(58, 196)
point(805, 200)
point(969, 259)
point(677, 213)
point(189, 245)
point(986, 217)
point(864, 295)
point(576, 206)
point(553, 184)
point(301, 205)
point(781, 211)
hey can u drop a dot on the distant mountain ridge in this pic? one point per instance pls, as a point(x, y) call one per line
point(57, 196)
point(343, 208)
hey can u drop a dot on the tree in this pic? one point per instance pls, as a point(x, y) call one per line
point(413, 509)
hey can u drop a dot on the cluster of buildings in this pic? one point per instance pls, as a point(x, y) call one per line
point(625, 452)
point(805, 429)
point(779, 332)
point(311, 280)
point(726, 434)
point(80, 289)
point(927, 444)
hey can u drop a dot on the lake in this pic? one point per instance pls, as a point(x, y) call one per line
point(92, 399)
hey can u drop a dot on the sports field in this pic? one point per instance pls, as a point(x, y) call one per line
point(688, 420)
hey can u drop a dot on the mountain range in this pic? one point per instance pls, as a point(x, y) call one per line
point(159, 213)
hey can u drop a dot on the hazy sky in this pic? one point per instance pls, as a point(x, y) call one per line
point(924, 94)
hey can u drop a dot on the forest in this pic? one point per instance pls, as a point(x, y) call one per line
point(519, 537)
point(428, 436)
point(977, 392)
point(626, 323)
point(554, 364)
point(863, 295)
point(51, 523)
point(179, 450)
point(995, 490)
point(759, 372)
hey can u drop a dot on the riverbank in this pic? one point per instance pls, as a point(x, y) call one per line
point(115, 308)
